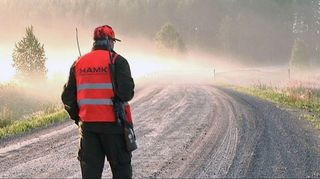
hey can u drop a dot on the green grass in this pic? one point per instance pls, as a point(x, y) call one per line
point(23, 108)
point(311, 104)
point(313, 119)
point(25, 125)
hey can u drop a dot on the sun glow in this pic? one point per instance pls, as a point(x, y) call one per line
point(6, 70)
point(141, 64)
point(168, 69)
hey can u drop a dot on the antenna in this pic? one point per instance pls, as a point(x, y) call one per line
point(78, 41)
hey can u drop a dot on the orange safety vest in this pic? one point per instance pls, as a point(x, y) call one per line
point(94, 88)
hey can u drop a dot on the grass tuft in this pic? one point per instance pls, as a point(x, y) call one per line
point(25, 125)
point(301, 98)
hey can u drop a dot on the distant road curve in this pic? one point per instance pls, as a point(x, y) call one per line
point(184, 130)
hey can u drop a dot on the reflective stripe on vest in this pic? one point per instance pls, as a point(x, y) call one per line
point(94, 86)
point(95, 102)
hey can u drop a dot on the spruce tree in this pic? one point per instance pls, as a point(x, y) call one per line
point(29, 58)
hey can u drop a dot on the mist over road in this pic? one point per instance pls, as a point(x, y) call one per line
point(184, 131)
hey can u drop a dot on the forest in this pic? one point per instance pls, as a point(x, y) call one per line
point(260, 32)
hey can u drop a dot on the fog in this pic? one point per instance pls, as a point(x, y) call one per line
point(61, 51)
point(229, 37)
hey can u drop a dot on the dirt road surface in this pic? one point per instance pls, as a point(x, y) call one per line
point(197, 131)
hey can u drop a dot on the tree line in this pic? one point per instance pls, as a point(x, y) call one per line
point(256, 32)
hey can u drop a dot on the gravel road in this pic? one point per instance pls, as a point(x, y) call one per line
point(190, 131)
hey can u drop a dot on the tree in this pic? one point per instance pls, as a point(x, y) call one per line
point(225, 31)
point(316, 30)
point(29, 58)
point(168, 38)
point(299, 55)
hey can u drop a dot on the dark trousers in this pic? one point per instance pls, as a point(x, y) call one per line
point(93, 149)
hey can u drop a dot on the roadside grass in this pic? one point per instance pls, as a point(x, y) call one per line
point(307, 99)
point(17, 101)
point(21, 126)
point(23, 109)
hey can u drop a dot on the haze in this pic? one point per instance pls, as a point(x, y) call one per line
point(216, 33)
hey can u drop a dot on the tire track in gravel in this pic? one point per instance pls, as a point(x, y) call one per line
point(212, 154)
point(43, 154)
point(279, 145)
point(165, 135)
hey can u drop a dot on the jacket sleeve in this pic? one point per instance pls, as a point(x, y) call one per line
point(69, 96)
point(124, 81)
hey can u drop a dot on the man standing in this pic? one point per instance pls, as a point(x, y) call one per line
point(88, 96)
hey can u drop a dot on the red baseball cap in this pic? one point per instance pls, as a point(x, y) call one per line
point(104, 31)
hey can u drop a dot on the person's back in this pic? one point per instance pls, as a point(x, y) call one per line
point(88, 100)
